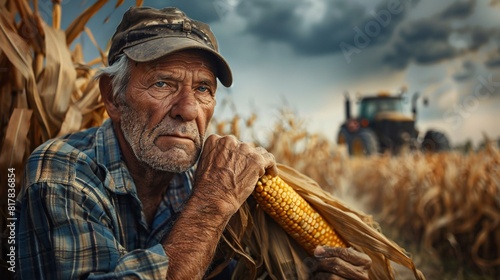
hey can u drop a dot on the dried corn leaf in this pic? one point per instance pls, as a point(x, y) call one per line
point(56, 14)
point(8, 10)
point(14, 145)
point(17, 52)
point(31, 26)
point(92, 39)
point(72, 121)
point(90, 101)
point(56, 83)
point(231, 243)
point(76, 27)
point(77, 54)
point(118, 3)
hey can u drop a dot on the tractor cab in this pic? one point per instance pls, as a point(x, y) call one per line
point(381, 106)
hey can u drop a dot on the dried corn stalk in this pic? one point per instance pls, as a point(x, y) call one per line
point(42, 75)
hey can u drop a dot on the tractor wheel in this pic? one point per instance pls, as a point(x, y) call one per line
point(435, 141)
point(344, 136)
point(364, 143)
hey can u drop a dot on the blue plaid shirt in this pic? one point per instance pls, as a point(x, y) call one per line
point(79, 215)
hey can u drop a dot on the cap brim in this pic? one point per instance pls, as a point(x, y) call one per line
point(158, 47)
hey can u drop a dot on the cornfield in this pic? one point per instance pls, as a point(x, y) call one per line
point(444, 207)
point(448, 204)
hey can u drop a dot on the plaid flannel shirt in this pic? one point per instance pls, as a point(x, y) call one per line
point(79, 215)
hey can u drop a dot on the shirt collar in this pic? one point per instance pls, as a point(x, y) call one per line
point(109, 156)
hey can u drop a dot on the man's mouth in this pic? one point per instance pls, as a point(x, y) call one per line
point(164, 142)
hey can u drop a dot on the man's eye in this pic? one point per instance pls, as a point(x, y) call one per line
point(205, 90)
point(160, 84)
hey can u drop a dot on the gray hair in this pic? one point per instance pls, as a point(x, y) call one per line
point(120, 75)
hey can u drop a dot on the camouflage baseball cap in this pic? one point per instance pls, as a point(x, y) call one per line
point(145, 34)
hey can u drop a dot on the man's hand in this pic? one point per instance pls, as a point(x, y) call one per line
point(225, 177)
point(340, 263)
point(228, 170)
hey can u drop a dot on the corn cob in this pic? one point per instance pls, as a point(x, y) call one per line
point(294, 214)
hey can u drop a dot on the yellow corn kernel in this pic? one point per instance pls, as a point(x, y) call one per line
point(294, 214)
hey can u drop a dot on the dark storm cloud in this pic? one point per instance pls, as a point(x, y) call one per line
point(459, 10)
point(494, 61)
point(428, 41)
point(479, 37)
point(423, 41)
point(316, 34)
point(349, 27)
point(467, 71)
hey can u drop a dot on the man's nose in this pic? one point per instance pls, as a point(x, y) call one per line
point(185, 105)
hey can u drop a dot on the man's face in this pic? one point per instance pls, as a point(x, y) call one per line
point(166, 109)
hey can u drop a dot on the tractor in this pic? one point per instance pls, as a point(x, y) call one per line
point(382, 126)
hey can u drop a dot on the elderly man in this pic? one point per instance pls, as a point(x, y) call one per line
point(123, 200)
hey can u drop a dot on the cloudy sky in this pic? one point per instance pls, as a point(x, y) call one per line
point(305, 54)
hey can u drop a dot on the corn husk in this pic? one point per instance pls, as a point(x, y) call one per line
point(278, 256)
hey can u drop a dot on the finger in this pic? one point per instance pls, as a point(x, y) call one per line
point(212, 138)
point(269, 162)
point(229, 141)
point(348, 254)
point(263, 158)
point(210, 144)
point(272, 169)
point(340, 267)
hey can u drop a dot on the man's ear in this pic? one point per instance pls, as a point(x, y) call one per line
point(106, 88)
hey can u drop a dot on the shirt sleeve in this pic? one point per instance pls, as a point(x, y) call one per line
point(65, 233)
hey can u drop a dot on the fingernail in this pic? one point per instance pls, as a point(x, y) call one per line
point(319, 251)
